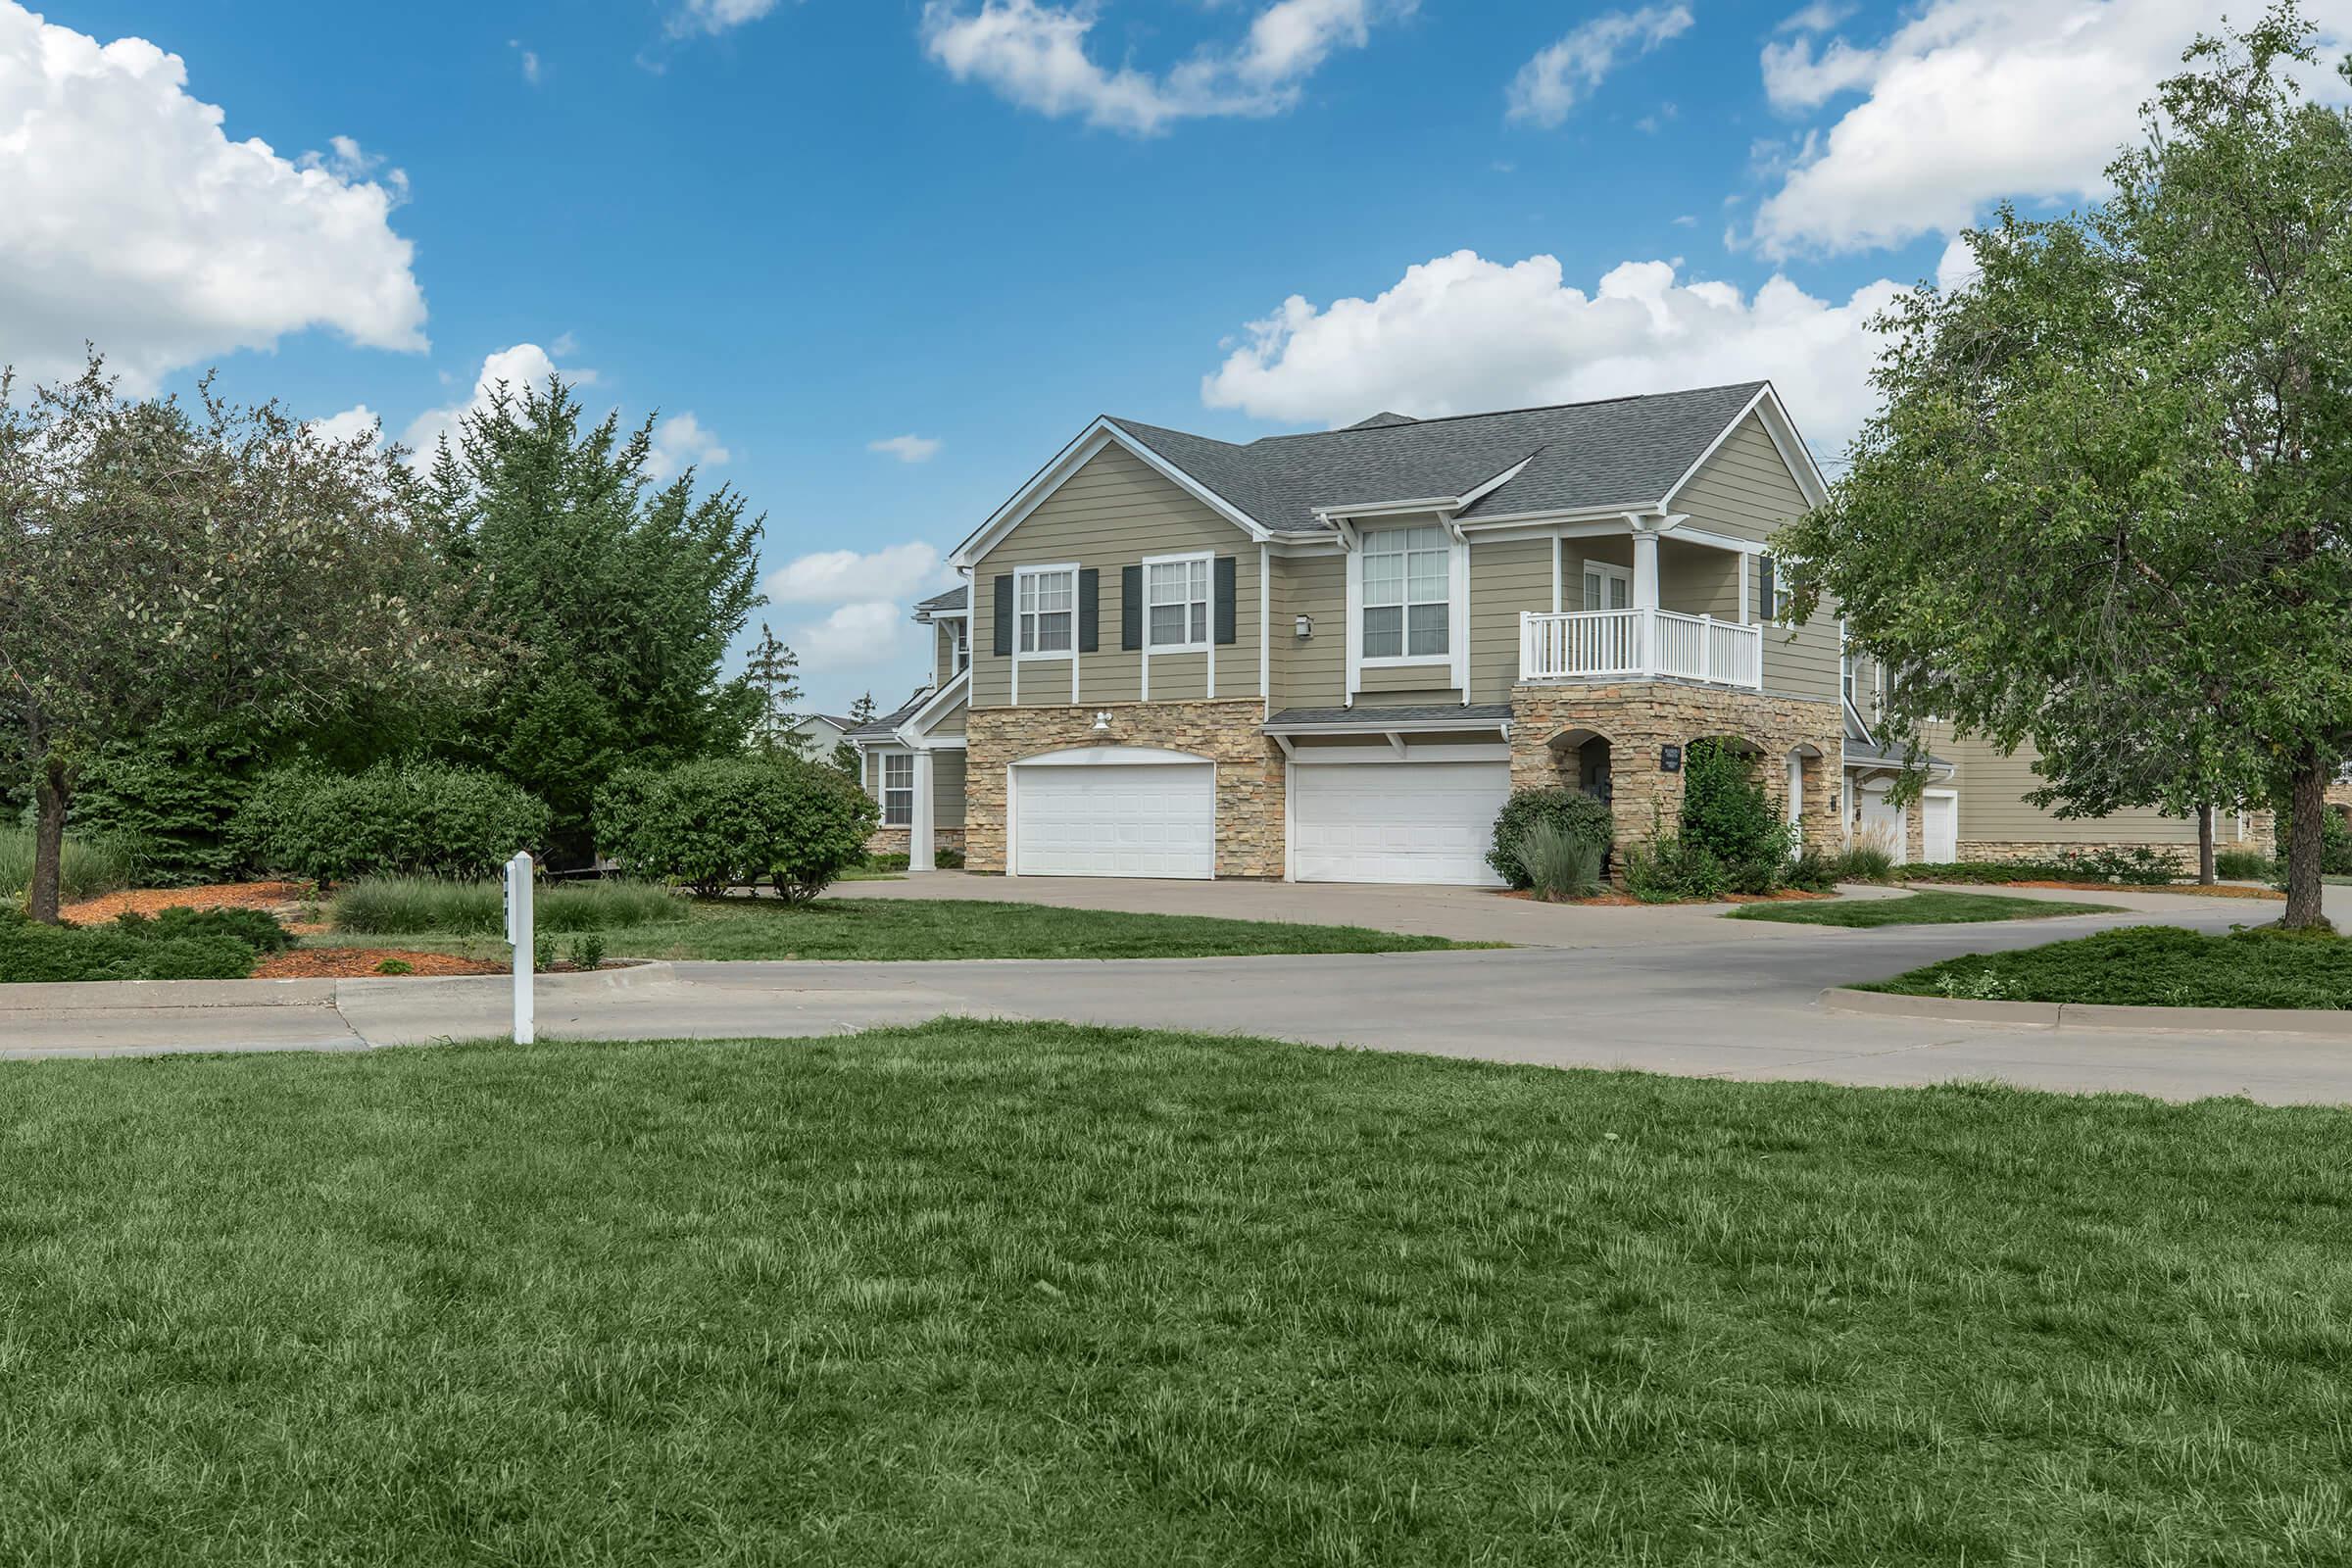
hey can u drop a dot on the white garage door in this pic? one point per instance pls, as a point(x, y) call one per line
point(1888, 824)
point(1113, 819)
point(1397, 822)
point(1940, 827)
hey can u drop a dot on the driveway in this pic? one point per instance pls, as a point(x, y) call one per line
point(1675, 991)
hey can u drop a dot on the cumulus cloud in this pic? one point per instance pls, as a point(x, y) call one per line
point(1549, 86)
point(1034, 53)
point(717, 16)
point(128, 218)
point(1461, 333)
point(682, 442)
point(853, 636)
point(524, 365)
point(1970, 101)
point(906, 448)
point(350, 425)
point(830, 576)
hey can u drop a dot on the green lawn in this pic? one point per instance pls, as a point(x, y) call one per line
point(1022, 1295)
point(1919, 908)
point(930, 928)
point(2151, 966)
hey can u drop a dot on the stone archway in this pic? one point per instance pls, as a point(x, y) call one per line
point(1583, 759)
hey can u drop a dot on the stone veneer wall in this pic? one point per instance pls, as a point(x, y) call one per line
point(1639, 719)
point(898, 840)
point(1250, 776)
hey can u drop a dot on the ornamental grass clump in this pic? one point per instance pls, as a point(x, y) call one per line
point(1559, 864)
point(1575, 814)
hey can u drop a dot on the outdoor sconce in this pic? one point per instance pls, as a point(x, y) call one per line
point(1103, 722)
point(1306, 627)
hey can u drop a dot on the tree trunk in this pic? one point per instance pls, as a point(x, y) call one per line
point(2206, 874)
point(2306, 846)
point(50, 796)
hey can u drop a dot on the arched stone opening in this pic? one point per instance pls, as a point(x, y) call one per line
point(1583, 759)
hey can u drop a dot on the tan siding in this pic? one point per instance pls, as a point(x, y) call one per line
point(1746, 491)
point(943, 652)
point(1110, 515)
point(1431, 683)
point(1312, 674)
point(1993, 808)
point(1507, 578)
point(1694, 580)
point(952, 721)
point(947, 789)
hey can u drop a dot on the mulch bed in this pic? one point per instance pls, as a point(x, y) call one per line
point(2220, 890)
point(1626, 900)
point(289, 901)
point(360, 964)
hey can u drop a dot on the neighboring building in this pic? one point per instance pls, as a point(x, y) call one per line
point(1332, 656)
point(819, 735)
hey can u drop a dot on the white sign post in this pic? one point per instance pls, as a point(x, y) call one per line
point(522, 932)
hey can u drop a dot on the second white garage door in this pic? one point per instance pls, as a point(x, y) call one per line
point(1151, 819)
point(1429, 823)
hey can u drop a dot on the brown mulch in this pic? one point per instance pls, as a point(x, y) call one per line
point(360, 964)
point(1626, 900)
point(285, 899)
point(2222, 890)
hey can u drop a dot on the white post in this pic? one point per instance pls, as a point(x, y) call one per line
point(522, 933)
point(921, 834)
point(1706, 648)
point(1645, 596)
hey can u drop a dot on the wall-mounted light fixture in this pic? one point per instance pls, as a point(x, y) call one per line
point(1103, 722)
point(1306, 627)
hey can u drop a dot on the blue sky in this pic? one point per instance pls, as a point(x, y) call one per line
point(818, 224)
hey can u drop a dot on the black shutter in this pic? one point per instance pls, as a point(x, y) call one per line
point(1130, 607)
point(1003, 618)
point(1090, 610)
point(1224, 599)
point(1765, 601)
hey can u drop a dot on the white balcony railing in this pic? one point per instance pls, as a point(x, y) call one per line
point(1640, 645)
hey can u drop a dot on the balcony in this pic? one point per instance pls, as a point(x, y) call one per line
point(1640, 645)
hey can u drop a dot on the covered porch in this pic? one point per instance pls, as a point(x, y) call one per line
point(1645, 599)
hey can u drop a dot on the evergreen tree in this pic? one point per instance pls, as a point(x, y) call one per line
point(773, 672)
point(845, 756)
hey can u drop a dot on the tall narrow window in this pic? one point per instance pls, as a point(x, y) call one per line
point(1845, 669)
point(1177, 593)
point(1409, 597)
point(1046, 601)
point(898, 791)
point(964, 644)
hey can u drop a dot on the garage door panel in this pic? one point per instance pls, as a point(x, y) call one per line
point(1426, 822)
point(1116, 819)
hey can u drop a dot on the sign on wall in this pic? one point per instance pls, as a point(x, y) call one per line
point(1670, 758)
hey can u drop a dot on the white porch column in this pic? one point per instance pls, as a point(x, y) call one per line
point(1646, 569)
point(920, 833)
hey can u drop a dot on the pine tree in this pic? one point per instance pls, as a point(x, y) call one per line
point(771, 672)
point(845, 756)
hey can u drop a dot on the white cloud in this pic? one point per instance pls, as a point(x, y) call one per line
point(1819, 17)
point(1034, 53)
point(680, 442)
point(1970, 101)
point(853, 636)
point(1460, 334)
point(831, 576)
point(906, 448)
point(350, 425)
point(1548, 86)
point(524, 365)
point(128, 218)
point(718, 16)
point(531, 69)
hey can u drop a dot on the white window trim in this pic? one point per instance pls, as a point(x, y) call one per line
point(896, 755)
point(1457, 630)
point(1605, 570)
point(1208, 602)
point(959, 657)
point(1021, 575)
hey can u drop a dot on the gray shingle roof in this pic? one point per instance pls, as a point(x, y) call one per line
point(953, 599)
point(1406, 714)
point(1861, 754)
point(881, 728)
point(1622, 452)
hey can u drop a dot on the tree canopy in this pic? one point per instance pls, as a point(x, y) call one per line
point(2107, 505)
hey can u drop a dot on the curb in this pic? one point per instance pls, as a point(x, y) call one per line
point(2078, 1016)
point(138, 995)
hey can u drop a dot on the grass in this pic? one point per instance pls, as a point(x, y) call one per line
point(1918, 909)
point(1014, 1295)
point(2151, 966)
point(376, 906)
point(90, 869)
point(745, 929)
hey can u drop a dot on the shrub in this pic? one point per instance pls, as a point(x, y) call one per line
point(257, 929)
point(588, 953)
point(948, 859)
point(378, 906)
point(92, 867)
point(1672, 866)
point(1870, 858)
point(736, 821)
point(1584, 819)
point(133, 947)
point(2244, 866)
point(173, 797)
point(396, 966)
point(1558, 863)
point(1727, 814)
point(1813, 871)
point(2138, 866)
point(2335, 842)
point(885, 863)
point(417, 818)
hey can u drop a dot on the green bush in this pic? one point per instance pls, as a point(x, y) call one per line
point(884, 863)
point(2154, 966)
point(948, 859)
point(1813, 871)
point(1558, 863)
point(417, 818)
point(179, 944)
point(2138, 866)
point(1584, 818)
point(174, 798)
point(1727, 814)
point(91, 869)
point(2244, 866)
point(737, 821)
point(391, 904)
point(588, 953)
point(1671, 868)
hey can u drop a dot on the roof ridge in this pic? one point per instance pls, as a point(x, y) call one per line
point(1497, 414)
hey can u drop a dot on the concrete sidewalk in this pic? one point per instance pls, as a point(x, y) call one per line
point(1726, 1005)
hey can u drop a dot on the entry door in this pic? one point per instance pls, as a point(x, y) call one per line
point(1607, 587)
point(1116, 819)
point(1424, 822)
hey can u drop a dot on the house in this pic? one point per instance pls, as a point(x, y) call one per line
point(1331, 656)
point(816, 736)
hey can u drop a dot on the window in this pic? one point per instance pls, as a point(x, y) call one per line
point(964, 644)
point(1409, 597)
point(1845, 669)
point(1607, 587)
point(1176, 597)
point(1776, 588)
point(898, 790)
point(1047, 600)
